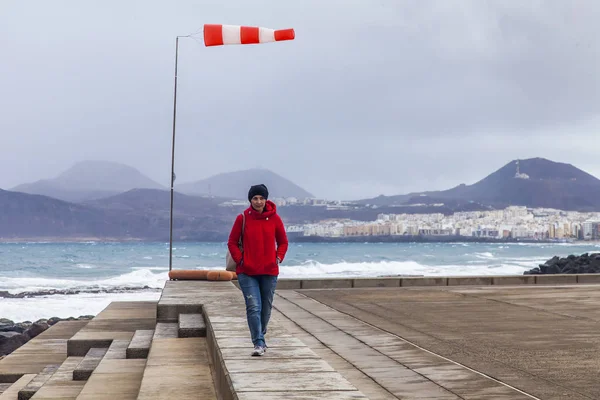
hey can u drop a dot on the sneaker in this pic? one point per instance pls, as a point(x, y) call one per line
point(258, 351)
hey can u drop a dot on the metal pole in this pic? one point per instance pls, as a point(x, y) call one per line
point(173, 157)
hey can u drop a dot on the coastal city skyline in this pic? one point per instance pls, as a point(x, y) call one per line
point(514, 222)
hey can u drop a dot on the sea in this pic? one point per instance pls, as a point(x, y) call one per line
point(73, 279)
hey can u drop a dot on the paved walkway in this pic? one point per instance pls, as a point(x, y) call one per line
point(437, 343)
point(454, 343)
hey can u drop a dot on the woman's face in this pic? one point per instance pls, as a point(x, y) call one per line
point(258, 203)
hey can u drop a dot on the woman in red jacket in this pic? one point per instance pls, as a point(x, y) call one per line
point(258, 264)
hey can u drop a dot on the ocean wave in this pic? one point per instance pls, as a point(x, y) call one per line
point(64, 306)
point(486, 255)
point(136, 279)
point(314, 269)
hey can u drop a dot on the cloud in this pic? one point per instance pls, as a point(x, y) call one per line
point(371, 97)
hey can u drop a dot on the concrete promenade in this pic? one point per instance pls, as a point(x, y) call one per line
point(389, 338)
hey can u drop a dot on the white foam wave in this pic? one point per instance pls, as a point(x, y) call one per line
point(64, 306)
point(313, 269)
point(485, 255)
point(134, 279)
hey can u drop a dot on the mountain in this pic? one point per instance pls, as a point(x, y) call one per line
point(235, 185)
point(534, 182)
point(140, 214)
point(197, 218)
point(26, 215)
point(89, 180)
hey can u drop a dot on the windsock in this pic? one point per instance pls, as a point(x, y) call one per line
point(218, 35)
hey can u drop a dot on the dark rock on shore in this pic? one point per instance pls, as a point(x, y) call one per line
point(14, 335)
point(5, 294)
point(583, 264)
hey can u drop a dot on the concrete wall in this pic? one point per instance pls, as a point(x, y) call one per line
point(503, 280)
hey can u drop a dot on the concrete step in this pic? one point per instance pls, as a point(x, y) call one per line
point(89, 363)
point(4, 387)
point(36, 383)
point(115, 379)
point(165, 330)
point(47, 348)
point(178, 369)
point(117, 350)
point(140, 344)
point(11, 392)
point(61, 384)
point(191, 325)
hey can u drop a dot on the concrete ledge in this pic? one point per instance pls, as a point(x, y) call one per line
point(555, 279)
point(89, 363)
point(340, 283)
point(481, 280)
point(376, 282)
point(140, 344)
point(287, 284)
point(588, 278)
point(469, 280)
point(514, 280)
point(170, 312)
point(429, 281)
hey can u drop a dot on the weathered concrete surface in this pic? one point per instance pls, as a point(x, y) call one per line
point(50, 347)
point(366, 355)
point(36, 383)
point(542, 340)
point(165, 330)
point(288, 366)
point(89, 363)
point(61, 384)
point(12, 392)
point(140, 344)
point(118, 321)
point(114, 379)
point(178, 369)
point(191, 325)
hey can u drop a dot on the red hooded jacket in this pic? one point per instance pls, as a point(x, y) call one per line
point(261, 233)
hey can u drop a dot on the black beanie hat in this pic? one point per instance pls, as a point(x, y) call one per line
point(258, 189)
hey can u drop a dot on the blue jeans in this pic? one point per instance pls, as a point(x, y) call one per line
point(258, 293)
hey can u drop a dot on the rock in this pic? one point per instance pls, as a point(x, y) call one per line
point(35, 329)
point(12, 328)
point(572, 264)
point(10, 341)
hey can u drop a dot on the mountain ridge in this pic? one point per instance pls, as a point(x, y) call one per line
point(235, 185)
point(533, 182)
point(88, 180)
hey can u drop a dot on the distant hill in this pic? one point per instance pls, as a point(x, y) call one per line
point(534, 182)
point(88, 180)
point(137, 214)
point(197, 218)
point(26, 215)
point(235, 185)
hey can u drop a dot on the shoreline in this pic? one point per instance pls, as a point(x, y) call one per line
point(304, 239)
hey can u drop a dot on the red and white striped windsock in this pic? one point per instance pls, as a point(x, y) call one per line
point(218, 35)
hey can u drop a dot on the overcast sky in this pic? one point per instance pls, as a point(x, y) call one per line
point(373, 97)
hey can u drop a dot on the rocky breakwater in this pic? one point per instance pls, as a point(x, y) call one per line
point(583, 264)
point(14, 335)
